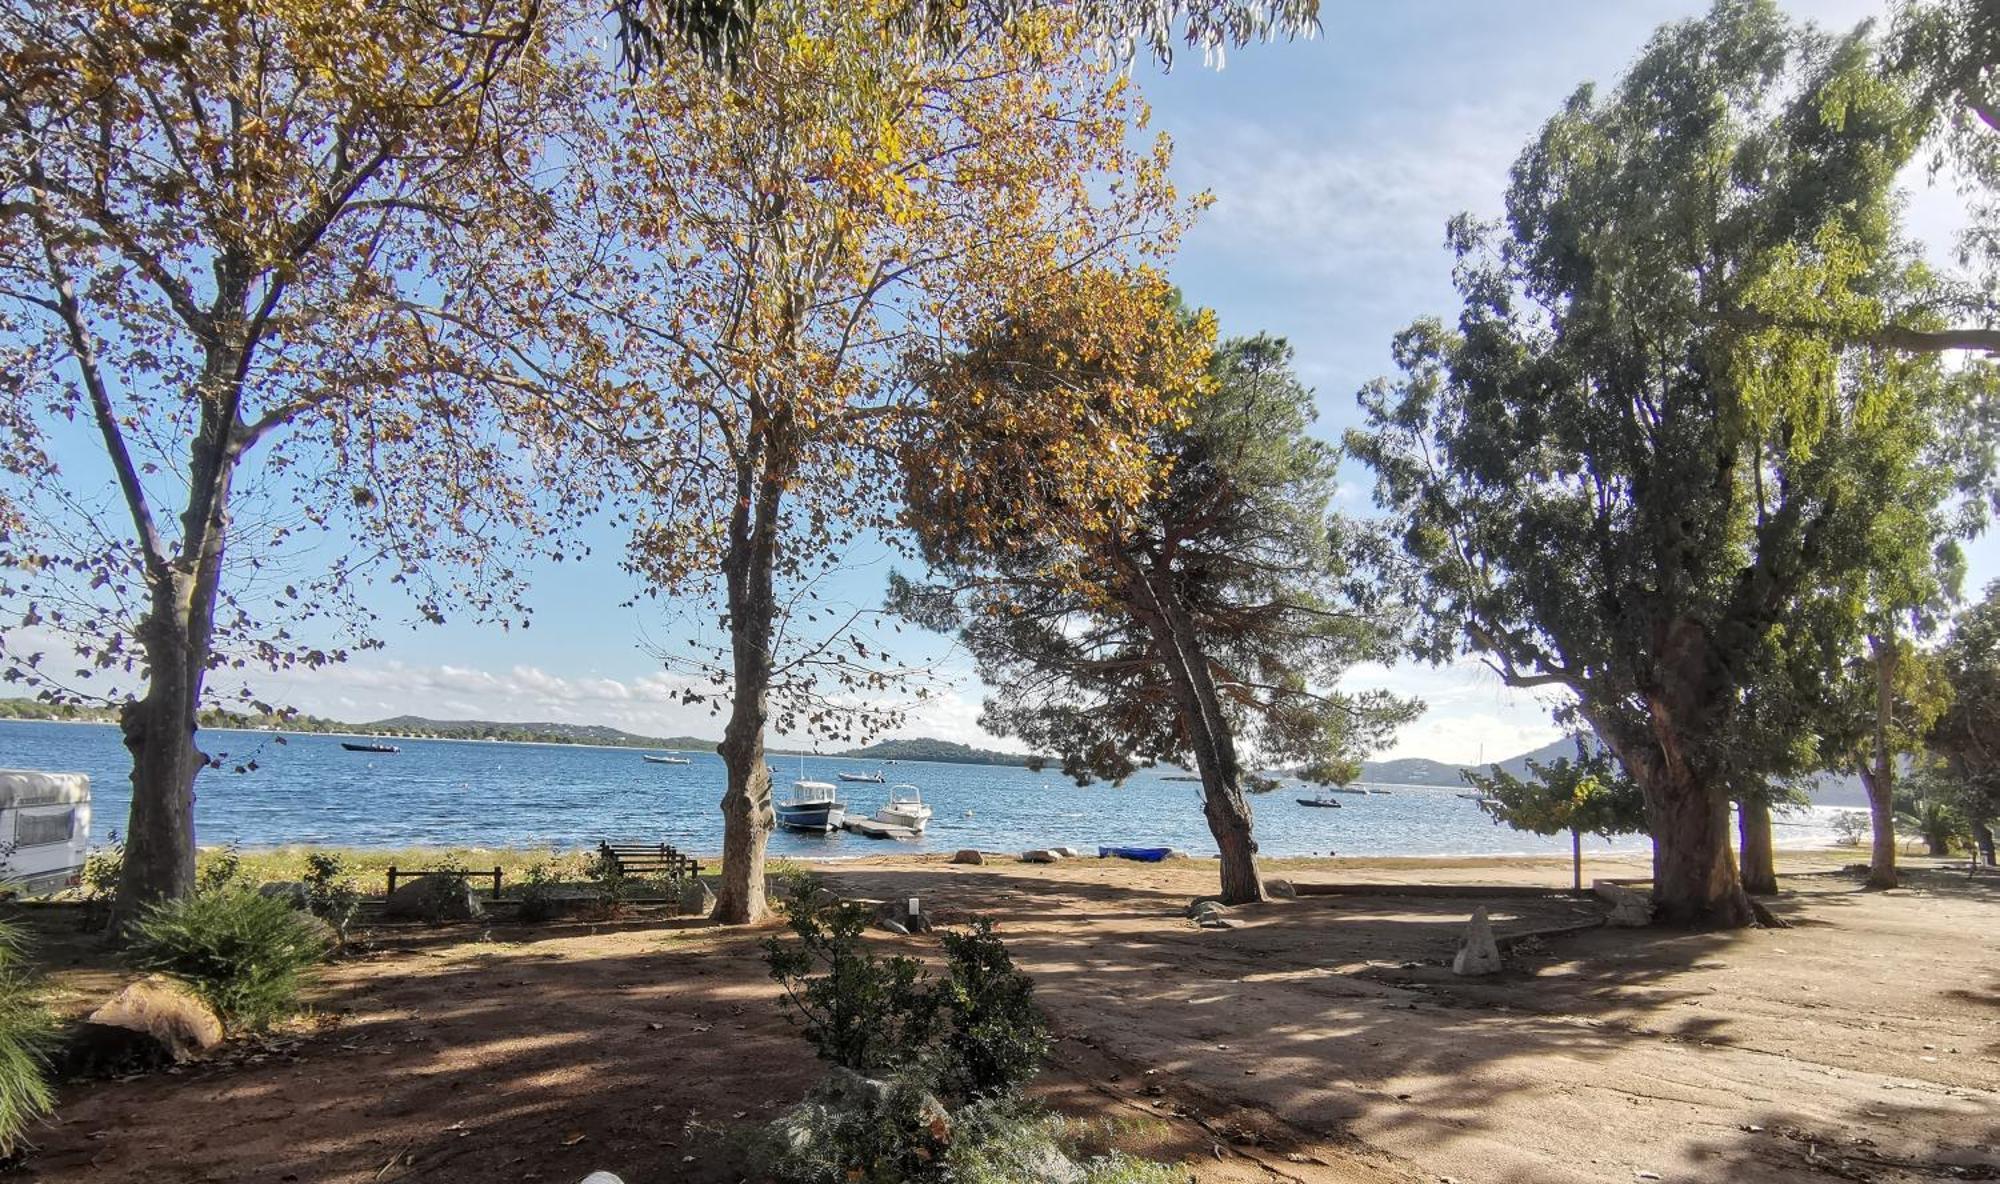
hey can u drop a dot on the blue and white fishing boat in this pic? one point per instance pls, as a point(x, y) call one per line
point(814, 806)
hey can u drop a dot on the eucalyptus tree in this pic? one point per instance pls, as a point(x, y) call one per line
point(248, 357)
point(1966, 733)
point(1212, 625)
point(1640, 468)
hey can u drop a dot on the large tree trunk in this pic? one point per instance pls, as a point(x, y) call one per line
point(1982, 841)
point(1695, 881)
point(177, 637)
point(1209, 736)
point(1760, 864)
point(747, 817)
point(1880, 777)
point(159, 731)
point(1882, 826)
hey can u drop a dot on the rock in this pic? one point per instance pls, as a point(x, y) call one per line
point(1480, 954)
point(1043, 856)
point(1281, 890)
point(1214, 921)
point(602, 1178)
point(1632, 910)
point(695, 898)
point(1065, 852)
point(1201, 905)
point(894, 926)
point(433, 898)
point(150, 1024)
point(969, 856)
point(292, 892)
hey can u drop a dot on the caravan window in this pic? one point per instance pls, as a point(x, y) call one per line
point(40, 830)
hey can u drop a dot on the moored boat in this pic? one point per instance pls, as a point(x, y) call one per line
point(906, 808)
point(353, 747)
point(1322, 801)
point(864, 778)
point(664, 760)
point(814, 806)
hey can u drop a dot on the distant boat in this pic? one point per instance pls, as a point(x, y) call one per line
point(351, 746)
point(906, 808)
point(866, 778)
point(1321, 801)
point(664, 760)
point(814, 806)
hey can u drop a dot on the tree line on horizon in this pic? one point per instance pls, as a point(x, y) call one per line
point(344, 305)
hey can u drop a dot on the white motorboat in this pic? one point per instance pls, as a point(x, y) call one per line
point(906, 808)
point(814, 806)
point(669, 759)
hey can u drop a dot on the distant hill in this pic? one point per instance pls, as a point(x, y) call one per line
point(941, 750)
point(527, 733)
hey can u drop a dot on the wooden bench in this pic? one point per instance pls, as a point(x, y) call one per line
point(650, 861)
point(396, 874)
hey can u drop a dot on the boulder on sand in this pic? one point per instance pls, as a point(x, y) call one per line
point(844, 1098)
point(1480, 954)
point(970, 856)
point(433, 898)
point(150, 1024)
point(292, 892)
point(1041, 856)
point(1280, 890)
point(695, 898)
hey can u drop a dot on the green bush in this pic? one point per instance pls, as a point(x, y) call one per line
point(330, 893)
point(872, 1015)
point(243, 953)
point(994, 1036)
point(27, 1035)
point(218, 870)
point(537, 893)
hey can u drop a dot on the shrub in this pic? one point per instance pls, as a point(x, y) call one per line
point(219, 870)
point(994, 1037)
point(330, 894)
point(243, 953)
point(101, 869)
point(1850, 825)
point(27, 1034)
point(537, 893)
point(861, 1012)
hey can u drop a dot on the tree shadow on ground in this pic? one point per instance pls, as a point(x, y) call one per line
point(1339, 1017)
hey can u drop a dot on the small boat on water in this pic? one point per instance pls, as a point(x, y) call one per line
point(906, 808)
point(814, 806)
point(351, 746)
point(864, 778)
point(649, 758)
point(1322, 801)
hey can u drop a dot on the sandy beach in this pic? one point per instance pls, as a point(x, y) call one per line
point(1322, 1040)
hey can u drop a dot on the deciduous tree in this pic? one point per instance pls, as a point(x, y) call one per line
point(226, 232)
point(780, 246)
point(1587, 795)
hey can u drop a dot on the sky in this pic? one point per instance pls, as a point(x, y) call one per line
point(1334, 164)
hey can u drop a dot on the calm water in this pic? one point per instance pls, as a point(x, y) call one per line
point(441, 792)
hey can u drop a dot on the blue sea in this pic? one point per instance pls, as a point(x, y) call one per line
point(308, 789)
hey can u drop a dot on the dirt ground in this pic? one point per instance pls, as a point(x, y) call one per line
point(1323, 1040)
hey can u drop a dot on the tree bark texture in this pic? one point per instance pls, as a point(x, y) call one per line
point(747, 816)
point(1759, 860)
point(1879, 777)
